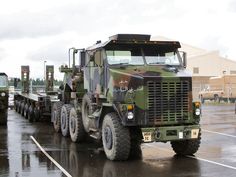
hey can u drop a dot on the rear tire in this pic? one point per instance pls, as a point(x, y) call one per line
point(186, 147)
point(87, 109)
point(115, 138)
point(56, 116)
point(77, 132)
point(65, 113)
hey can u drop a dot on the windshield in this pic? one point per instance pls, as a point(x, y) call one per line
point(3, 81)
point(140, 56)
point(129, 57)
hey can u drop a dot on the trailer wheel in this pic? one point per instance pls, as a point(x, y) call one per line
point(31, 114)
point(186, 147)
point(56, 116)
point(26, 109)
point(16, 105)
point(115, 138)
point(65, 113)
point(76, 126)
point(36, 114)
point(22, 106)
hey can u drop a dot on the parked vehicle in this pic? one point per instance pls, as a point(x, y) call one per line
point(4, 91)
point(220, 88)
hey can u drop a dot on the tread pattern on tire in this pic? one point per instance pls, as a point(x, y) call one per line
point(121, 138)
point(65, 132)
point(186, 147)
point(79, 134)
point(57, 120)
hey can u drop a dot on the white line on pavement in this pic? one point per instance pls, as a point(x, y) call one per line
point(224, 134)
point(48, 156)
point(209, 161)
point(193, 157)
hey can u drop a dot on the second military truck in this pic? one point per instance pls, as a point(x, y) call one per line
point(126, 91)
point(4, 94)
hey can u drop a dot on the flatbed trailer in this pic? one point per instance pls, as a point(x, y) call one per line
point(35, 106)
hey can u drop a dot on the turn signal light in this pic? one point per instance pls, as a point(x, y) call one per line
point(130, 107)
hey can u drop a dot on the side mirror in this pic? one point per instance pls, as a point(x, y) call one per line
point(184, 59)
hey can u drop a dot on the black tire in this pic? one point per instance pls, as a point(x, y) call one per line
point(31, 114)
point(56, 116)
point(135, 145)
point(18, 106)
point(115, 138)
point(36, 114)
point(26, 110)
point(3, 117)
point(77, 132)
point(186, 147)
point(22, 106)
point(87, 109)
point(65, 113)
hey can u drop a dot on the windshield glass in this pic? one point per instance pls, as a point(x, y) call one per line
point(129, 57)
point(142, 55)
point(3, 81)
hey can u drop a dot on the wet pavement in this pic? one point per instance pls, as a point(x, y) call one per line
point(19, 156)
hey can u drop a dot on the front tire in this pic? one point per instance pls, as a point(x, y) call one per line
point(115, 138)
point(186, 147)
point(76, 127)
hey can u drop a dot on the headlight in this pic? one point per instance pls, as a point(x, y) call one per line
point(197, 111)
point(3, 94)
point(130, 115)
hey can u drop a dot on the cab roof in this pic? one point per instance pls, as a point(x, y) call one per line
point(3, 74)
point(133, 39)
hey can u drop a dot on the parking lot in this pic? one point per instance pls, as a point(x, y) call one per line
point(20, 156)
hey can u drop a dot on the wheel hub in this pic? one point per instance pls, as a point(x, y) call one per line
point(108, 137)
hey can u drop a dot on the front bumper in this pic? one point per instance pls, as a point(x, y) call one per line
point(170, 133)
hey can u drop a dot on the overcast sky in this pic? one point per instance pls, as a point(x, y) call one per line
point(32, 31)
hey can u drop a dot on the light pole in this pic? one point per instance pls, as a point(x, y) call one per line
point(44, 67)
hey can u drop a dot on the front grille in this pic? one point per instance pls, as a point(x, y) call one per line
point(168, 101)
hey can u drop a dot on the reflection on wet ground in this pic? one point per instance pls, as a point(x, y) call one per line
point(19, 156)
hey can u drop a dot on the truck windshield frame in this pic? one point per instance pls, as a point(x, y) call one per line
point(3, 81)
point(143, 56)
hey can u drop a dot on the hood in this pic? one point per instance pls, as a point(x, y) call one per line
point(133, 76)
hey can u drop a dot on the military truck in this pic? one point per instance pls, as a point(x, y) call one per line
point(4, 91)
point(126, 91)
